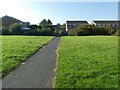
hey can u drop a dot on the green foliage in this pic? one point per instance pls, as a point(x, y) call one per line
point(46, 28)
point(63, 27)
point(5, 31)
point(87, 62)
point(16, 49)
point(43, 23)
point(16, 28)
point(117, 32)
point(49, 22)
point(34, 27)
point(63, 33)
point(91, 30)
point(61, 30)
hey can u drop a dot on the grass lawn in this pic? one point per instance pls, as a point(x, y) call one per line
point(87, 62)
point(16, 49)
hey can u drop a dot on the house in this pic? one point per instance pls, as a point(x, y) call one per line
point(26, 24)
point(7, 21)
point(56, 27)
point(74, 24)
point(112, 23)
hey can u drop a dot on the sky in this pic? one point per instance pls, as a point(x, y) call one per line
point(58, 11)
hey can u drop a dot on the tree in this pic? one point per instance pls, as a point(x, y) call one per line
point(49, 22)
point(60, 30)
point(5, 30)
point(63, 27)
point(46, 27)
point(43, 23)
point(16, 28)
point(33, 27)
point(58, 24)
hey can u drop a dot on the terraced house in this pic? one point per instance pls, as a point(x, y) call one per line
point(74, 24)
point(112, 23)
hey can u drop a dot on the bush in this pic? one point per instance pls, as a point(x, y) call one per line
point(91, 30)
point(5, 30)
point(16, 29)
point(117, 33)
point(72, 32)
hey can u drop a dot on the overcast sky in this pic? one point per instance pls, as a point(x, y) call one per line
point(34, 11)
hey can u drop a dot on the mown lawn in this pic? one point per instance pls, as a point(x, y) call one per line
point(16, 49)
point(87, 62)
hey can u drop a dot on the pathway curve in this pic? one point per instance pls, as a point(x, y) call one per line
point(38, 70)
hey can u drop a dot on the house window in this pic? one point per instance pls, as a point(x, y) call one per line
point(71, 25)
point(98, 24)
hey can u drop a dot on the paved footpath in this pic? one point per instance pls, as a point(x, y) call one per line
point(38, 70)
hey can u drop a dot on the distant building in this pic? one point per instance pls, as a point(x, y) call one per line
point(112, 23)
point(8, 21)
point(56, 27)
point(74, 24)
point(26, 24)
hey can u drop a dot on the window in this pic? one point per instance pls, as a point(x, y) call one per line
point(98, 24)
point(71, 25)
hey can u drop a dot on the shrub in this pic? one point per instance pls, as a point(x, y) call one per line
point(117, 33)
point(16, 28)
point(5, 30)
point(91, 30)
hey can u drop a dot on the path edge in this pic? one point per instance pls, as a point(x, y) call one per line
point(56, 64)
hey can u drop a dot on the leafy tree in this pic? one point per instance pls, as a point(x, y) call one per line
point(43, 23)
point(60, 30)
point(49, 22)
point(16, 28)
point(5, 30)
point(58, 24)
point(33, 27)
point(46, 27)
point(63, 27)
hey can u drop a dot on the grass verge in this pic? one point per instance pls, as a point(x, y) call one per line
point(87, 62)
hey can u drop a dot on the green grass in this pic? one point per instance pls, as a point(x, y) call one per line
point(87, 62)
point(16, 49)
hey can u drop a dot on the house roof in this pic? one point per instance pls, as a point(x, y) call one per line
point(54, 26)
point(8, 20)
point(12, 18)
point(106, 21)
point(77, 22)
